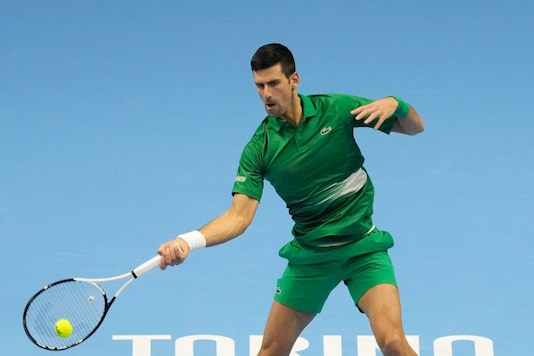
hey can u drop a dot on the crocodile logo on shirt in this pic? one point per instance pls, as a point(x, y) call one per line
point(325, 130)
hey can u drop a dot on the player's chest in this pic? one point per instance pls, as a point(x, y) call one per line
point(309, 149)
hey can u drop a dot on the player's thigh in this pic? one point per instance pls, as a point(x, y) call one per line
point(307, 287)
point(282, 329)
point(372, 285)
point(367, 271)
point(382, 306)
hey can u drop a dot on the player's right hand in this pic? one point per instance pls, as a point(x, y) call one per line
point(173, 252)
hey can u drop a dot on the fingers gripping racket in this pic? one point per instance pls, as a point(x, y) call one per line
point(80, 303)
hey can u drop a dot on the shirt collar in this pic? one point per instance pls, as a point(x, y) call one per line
point(308, 111)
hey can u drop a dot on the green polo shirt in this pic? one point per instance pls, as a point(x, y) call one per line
point(316, 168)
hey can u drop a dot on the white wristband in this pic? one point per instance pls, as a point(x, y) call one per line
point(194, 239)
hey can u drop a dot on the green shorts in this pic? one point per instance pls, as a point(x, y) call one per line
point(306, 286)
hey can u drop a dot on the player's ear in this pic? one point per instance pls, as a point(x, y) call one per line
point(294, 79)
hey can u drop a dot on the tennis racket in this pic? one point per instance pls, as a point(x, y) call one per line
point(81, 301)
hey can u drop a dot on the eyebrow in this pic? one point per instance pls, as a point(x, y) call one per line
point(273, 81)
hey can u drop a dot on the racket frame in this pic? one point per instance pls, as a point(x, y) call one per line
point(134, 274)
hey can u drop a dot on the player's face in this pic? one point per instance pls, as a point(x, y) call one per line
point(277, 92)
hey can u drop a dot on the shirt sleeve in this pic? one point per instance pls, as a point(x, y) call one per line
point(351, 102)
point(249, 178)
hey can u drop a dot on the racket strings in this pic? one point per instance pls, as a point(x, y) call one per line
point(83, 304)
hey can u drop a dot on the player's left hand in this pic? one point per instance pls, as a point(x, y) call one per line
point(378, 110)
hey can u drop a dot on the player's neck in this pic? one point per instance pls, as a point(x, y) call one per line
point(294, 114)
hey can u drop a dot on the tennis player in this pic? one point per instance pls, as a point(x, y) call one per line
point(305, 148)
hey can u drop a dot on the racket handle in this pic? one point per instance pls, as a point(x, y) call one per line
point(146, 266)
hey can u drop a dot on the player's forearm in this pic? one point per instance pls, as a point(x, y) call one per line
point(224, 228)
point(232, 223)
point(412, 124)
point(218, 231)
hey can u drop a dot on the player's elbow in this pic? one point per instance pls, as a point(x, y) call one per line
point(416, 129)
point(409, 127)
point(237, 221)
point(242, 223)
point(241, 213)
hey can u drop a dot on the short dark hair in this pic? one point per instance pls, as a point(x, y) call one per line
point(270, 55)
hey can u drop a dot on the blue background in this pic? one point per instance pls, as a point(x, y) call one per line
point(122, 122)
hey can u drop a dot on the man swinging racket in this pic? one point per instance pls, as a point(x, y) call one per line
point(306, 149)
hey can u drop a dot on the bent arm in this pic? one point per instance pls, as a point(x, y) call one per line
point(378, 111)
point(412, 124)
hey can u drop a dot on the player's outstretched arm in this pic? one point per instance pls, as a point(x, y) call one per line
point(233, 222)
point(227, 226)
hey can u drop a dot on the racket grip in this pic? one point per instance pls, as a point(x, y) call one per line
point(146, 266)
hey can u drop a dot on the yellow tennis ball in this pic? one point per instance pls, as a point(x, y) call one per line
point(63, 328)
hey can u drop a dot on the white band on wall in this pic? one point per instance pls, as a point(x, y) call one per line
point(194, 239)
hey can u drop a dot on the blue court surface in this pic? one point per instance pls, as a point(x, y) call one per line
point(122, 122)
